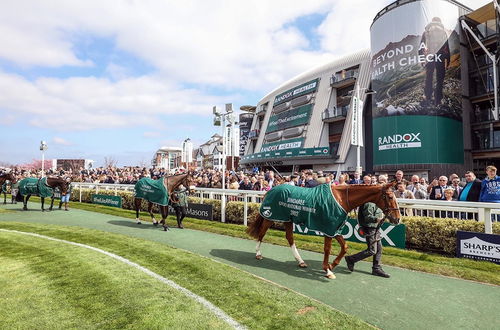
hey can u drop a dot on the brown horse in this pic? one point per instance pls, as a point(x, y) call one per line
point(348, 197)
point(8, 176)
point(170, 183)
point(43, 187)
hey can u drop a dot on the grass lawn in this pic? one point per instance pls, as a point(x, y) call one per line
point(480, 271)
point(47, 284)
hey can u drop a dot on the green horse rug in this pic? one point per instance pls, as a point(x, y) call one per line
point(35, 186)
point(153, 191)
point(314, 208)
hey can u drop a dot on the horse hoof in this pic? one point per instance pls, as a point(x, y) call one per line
point(331, 276)
point(138, 222)
point(303, 265)
point(155, 224)
point(165, 228)
point(259, 257)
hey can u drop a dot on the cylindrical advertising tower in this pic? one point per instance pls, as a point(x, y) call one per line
point(415, 72)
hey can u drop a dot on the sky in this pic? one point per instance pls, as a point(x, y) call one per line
point(119, 79)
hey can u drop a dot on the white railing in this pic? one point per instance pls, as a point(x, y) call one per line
point(482, 212)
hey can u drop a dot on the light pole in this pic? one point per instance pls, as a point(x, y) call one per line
point(43, 147)
point(357, 124)
point(218, 118)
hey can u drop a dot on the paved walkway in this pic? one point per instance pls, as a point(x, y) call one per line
point(408, 300)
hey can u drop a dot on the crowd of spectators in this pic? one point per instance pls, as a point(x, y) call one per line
point(450, 187)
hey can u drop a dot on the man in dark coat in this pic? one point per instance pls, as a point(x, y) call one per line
point(472, 189)
point(369, 216)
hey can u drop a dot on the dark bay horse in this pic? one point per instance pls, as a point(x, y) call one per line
point(8, 176)
point(348, 198)
point(42, 187)
point(158, 192)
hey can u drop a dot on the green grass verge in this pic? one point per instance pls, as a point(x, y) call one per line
point(480, 271)
point(48, 284)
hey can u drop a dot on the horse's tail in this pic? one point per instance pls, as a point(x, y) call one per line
point(19, 197)
point(253, 229)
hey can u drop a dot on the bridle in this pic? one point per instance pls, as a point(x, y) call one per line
point(387, 209)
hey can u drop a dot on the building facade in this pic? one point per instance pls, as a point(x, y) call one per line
point(168, 158)
point(307, 121)
point(427, 93)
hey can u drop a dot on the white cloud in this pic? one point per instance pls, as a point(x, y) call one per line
point(61, 141)
point(224, 45)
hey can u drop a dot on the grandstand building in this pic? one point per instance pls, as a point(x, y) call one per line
point(426, 91)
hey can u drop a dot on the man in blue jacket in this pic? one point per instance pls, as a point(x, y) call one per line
point(490, 187)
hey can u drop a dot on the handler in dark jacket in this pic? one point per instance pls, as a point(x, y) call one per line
point(180, 204)
point(369, 216)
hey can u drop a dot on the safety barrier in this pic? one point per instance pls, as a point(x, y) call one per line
point(483, 212)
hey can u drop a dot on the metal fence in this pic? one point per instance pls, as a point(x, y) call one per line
point(482, 212)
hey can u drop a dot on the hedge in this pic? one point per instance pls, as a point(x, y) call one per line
point(422, 233)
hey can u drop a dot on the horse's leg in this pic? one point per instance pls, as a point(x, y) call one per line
point(5, 198)
point(343, 250)
point(51, 203)
point(137, 204)
point(327, 248)
point(151, 214)
point(289, 238)
point(266, 224)
point(43, 201)
point(25, 202)
point(164, 215)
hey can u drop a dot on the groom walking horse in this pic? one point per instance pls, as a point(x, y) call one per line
point(323, 208)
point(158, 192)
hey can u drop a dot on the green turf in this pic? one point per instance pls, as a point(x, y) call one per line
point(74, 287)
point(50, 285)
point(407, 300)
point(485, 272)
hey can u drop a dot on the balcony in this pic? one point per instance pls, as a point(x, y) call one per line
point(335, 114)
point(343, 79)
point(261, 111)
point(254, 134)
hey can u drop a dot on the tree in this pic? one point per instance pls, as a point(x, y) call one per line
point(109, 161)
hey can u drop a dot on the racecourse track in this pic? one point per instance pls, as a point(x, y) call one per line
point(408, 300)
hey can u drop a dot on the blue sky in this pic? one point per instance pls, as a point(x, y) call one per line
point(120, 79)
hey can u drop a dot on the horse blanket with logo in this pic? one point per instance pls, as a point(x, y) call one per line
point(153, 191)
point(34, 186)
point(314, 208)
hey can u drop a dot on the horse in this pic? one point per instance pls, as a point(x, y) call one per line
point(8, 176)
point(42, 187)
point(348, 197)
point(158, 192)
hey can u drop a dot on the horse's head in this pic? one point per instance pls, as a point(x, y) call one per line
point(388, 203)
point(189, 182)
point(60, 182)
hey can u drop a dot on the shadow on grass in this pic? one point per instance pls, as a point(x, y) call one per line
point(132, 224)
point(313, 272)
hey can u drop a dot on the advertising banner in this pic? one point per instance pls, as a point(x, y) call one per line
point(300, 90)
point(107, 200)
point(283, 145)
point(357, 122)
point(478, 246)
point(197, 211)
point(290, 118)
point(390, 235)
point(298, 152)
point(245, 124)
point(415, 71)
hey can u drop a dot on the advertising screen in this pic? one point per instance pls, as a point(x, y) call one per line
point(245, 125)
point(415, 71)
